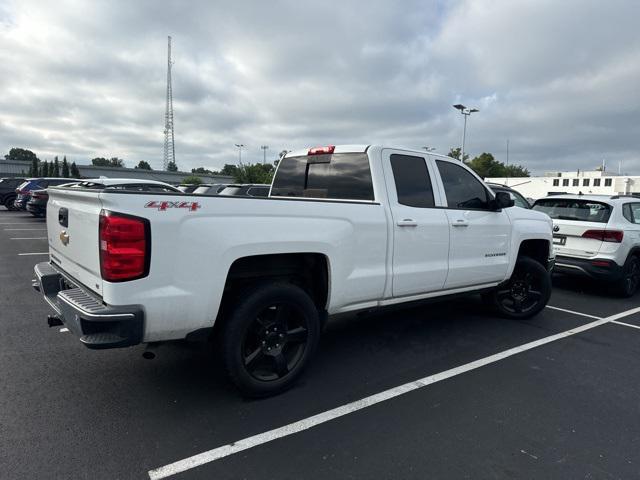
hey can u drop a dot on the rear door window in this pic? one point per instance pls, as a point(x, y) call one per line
point(631, 212)
point(413, 183)
point(338, 176)
point(573, 209)
point(462, 189)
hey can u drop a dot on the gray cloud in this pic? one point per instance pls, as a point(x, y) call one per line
point(558, 79)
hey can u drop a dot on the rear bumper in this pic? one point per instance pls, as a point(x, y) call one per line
point(36, 208)
point(98, 326)
point(605, 269)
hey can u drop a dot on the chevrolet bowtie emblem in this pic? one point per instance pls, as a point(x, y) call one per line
point(64, 237)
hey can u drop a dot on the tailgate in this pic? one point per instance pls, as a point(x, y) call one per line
point(72, 230)
point(568, 238)
point(572, 218)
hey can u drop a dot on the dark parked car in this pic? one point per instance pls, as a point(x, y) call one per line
point(8, 191)
point(23, 192)
point(246, 190)
point(517, 198)
point(37, 204)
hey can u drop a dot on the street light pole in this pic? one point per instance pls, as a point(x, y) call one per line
point(264, 153)
point(466, 112)
point(239, 145)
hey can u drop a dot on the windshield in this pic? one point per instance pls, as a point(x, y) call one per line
point(202, 189)
point(572, 209)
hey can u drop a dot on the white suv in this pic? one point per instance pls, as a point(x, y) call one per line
point(597, 236)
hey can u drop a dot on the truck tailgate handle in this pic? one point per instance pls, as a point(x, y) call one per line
point(407, 222)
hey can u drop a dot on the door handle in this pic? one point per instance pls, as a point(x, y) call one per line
point(460, 223)
point(407, 222)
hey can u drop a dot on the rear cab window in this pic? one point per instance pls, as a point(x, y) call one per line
point(574, 209)
point(412, 180)
point(336, 176)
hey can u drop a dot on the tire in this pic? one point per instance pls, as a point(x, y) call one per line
point(8, 202)
point(627, 286)
point(268, 338)
point(525, 294)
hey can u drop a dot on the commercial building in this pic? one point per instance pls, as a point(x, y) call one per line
point(594, 182)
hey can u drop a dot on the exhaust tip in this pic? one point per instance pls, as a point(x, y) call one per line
point(54, 321)
point(148, 355)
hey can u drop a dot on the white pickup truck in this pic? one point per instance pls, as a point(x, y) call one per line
point(344, 229)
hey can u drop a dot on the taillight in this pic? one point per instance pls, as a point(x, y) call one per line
point(614, 236)
point(125, 246)
point(321, 150)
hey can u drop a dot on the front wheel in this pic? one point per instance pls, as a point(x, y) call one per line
point(525, 293)
point(269, 337)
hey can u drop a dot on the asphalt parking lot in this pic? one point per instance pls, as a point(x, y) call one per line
point(444, 390)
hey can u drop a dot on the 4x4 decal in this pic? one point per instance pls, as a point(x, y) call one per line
point(164, 205)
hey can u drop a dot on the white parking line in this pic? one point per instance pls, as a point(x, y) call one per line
point(29, 238)
point(573, 312)
point(304, 424)
point(33, 253)
point(64, 330)
point(625, 324)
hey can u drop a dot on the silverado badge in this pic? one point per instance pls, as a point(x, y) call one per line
point(64, 237)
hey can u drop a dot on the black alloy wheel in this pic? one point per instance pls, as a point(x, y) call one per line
point(525, 293)
point(630, 280)
point(275, 341)
point(268, 337)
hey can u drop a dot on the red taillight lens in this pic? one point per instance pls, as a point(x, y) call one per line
point(321, 150)
point(614, 236)
point(125, 247)
point(600, 263)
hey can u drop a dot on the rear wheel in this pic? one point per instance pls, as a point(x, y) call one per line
point(525, 293)
point(628, 285)
point(269, 337)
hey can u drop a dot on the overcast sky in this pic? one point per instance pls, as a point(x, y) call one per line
point(559, 79)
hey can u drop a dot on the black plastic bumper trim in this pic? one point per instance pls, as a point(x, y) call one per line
point(98, 326)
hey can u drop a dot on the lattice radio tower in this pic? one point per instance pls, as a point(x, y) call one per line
point(169, 146)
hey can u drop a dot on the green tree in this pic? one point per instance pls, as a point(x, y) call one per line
point(142, 165)
point(257, 173)
point(65, 167)
point(229, 170)
point(44, 169)
point(487, 166)
point(21, 154)
point(111, 162)
point(56, 167)
point(516, 171)
point(456, 152)
point(202, 171)
point(194, 179)
point(100, 162)
point(75, 172)
point(172, 167)
point(34, 168)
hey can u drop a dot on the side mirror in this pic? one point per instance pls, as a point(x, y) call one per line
point(502, 200)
